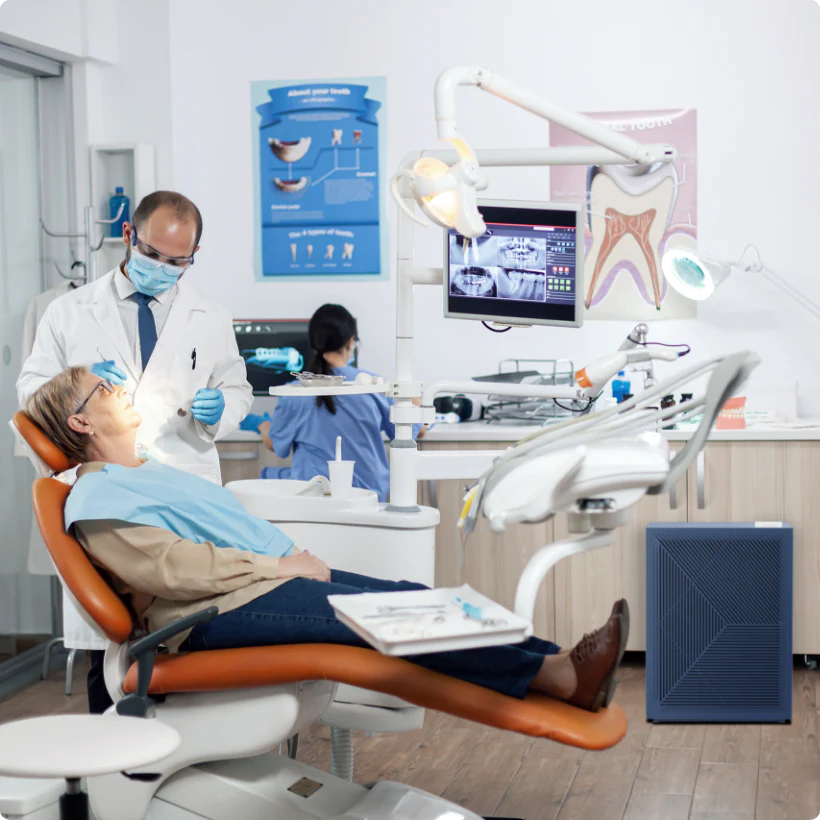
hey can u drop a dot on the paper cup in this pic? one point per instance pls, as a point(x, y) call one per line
point(341, 478)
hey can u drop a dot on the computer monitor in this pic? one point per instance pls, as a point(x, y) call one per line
point(525, 270)
point(272, 350)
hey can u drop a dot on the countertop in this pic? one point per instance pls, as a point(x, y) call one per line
point(481, 431)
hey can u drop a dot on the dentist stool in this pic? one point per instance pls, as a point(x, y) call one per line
point(76, 746)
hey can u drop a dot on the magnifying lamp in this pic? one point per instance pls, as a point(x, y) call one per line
point(696, 276)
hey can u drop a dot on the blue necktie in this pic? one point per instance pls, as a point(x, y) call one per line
point(146, 326)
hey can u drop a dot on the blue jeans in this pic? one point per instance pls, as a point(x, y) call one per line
point(298, 612)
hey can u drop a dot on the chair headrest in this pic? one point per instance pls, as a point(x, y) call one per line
point(55, 458)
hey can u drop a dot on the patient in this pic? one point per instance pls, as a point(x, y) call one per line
point(172, 543)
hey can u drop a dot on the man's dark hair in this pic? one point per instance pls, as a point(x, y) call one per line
point(179, 204)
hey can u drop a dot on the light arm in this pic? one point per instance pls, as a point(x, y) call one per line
point(791, 291)
point(447, 83)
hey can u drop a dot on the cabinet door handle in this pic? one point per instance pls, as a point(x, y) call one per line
point(673, 493)
point(245, 455)
point(701, 467)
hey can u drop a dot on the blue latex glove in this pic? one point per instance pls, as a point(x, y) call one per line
point(208, 406)
point(109, 370)
point(252, 421)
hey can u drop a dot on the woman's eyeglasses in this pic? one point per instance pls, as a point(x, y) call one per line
point(105, 385)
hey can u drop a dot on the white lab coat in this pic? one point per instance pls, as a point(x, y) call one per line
point(39, 561)
point(79, 323)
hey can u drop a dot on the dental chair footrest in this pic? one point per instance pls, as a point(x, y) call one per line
point(536, 715)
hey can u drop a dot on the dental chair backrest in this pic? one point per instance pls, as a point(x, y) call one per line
point(85, 583)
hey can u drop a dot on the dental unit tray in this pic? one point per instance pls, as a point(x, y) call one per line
point(429, 620)
point(317, 384)
point(307, 379)
point(541, 372)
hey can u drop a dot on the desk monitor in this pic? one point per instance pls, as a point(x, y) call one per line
point(526, 269)
point(272, 349)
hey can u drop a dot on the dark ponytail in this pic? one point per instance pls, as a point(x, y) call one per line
point(330, 329)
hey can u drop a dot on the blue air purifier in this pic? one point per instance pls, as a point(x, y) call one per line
point(719, 623)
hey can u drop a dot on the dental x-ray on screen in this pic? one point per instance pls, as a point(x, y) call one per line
point(522, 270)
point(272, 350)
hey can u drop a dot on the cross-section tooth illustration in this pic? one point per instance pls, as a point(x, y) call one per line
point(289, 150)
point(629, 213)
point(290, 186)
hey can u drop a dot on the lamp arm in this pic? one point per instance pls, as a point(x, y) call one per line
point(580, 124)
point(789, 289)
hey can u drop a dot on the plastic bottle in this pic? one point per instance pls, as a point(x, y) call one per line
point(118, 199)
point(620, 386)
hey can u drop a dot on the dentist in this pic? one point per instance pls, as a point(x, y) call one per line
point(144, 327)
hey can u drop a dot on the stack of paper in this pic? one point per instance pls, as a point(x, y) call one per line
point(429, 620)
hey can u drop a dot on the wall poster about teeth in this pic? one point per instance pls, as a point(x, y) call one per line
point(632, 218)
point(318, 151)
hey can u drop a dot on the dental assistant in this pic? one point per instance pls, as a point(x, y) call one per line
point(173, 350)
point(310, 427)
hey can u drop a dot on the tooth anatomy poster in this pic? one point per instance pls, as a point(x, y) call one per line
point(318, 154)
point(633, 214)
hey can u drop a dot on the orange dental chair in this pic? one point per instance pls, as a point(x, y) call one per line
point(234, 707)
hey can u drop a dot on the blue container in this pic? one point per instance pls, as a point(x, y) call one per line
point(118, 199)
point(619, 387)
point(718, 623)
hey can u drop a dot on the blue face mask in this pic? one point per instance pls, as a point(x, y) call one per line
point(151, 277)
point(353, 354)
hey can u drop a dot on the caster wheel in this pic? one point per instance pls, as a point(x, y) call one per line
point(810, 661)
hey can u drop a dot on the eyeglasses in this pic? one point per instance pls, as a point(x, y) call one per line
point(106, 386)
point(151, 253)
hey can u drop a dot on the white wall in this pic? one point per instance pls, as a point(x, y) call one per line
point(747, 66)
point(63, 29)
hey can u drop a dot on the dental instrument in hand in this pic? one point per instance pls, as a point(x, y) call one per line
point(107, 369)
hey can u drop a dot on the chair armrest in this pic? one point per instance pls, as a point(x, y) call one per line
point(144, 651)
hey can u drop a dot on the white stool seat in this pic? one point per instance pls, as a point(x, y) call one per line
point(76, 746)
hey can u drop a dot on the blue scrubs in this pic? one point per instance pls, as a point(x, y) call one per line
point(311, 431)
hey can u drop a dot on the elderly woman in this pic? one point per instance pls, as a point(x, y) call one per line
point(172, 543)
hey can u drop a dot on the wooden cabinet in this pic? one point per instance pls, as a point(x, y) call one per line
point(738, 481)
point(239, 460)
point(729, 481)
point(769, 481)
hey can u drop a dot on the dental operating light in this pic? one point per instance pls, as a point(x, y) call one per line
point(696, 276)
point(446, 194)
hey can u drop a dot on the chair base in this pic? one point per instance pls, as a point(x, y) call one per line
point(273, 785)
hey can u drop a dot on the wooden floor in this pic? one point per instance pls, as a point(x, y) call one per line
point(656, 773)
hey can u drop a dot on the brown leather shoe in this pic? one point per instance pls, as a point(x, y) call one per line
point(595, 659)
point(622, 608)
